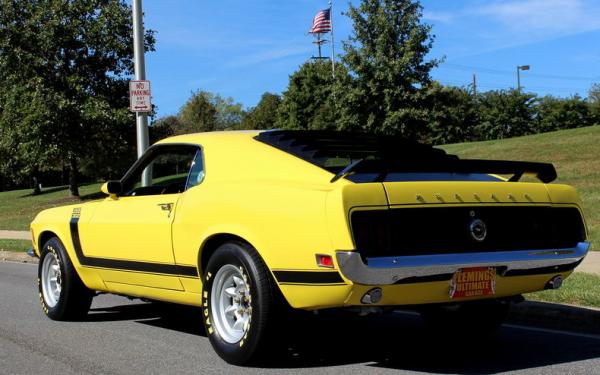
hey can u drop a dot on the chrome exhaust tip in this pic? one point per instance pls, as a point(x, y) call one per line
point(555, 282)
point(372, 296)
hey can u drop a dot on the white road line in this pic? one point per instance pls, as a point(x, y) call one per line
point(553, 331)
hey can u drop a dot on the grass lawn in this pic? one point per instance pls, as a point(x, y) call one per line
point(15, 245)
point(578, 289)
point(19, 207)
point(575, 153)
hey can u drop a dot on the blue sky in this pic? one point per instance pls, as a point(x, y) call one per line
point(244, 48)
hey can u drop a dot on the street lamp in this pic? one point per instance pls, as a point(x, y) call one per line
point(519, 68)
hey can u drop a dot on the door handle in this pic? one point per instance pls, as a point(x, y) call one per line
point(166, 206)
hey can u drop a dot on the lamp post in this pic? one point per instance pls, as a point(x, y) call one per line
point(519, 68)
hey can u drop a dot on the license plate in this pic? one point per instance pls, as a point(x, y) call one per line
point(473, 282)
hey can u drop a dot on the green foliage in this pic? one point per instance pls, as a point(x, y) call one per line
point(453, 116)
point(505, 114)
point(15, 245)
point(163, 127)
point(263, 116)
point(386, 56)
point(563, 113)
point(594, 101)
point(78, 55)
point(28, 147)
point(205, 112)
point(308, 102)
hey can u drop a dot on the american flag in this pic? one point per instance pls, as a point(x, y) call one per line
point(321, 22)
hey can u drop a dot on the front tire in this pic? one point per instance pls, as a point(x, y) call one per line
point(63, 295)
point(238, 299)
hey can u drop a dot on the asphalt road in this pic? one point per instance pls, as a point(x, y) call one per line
point(133, 337)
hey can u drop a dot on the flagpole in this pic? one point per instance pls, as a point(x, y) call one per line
point(332, 40)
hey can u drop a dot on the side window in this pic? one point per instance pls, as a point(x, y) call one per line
point(196, 172)
point(170, 169)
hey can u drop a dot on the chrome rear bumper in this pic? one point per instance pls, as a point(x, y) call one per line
point(423, 268)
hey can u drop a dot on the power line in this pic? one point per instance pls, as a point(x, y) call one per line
point(500, 86)
point(505, 72)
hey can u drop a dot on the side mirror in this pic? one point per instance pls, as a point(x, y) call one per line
point(112, 188)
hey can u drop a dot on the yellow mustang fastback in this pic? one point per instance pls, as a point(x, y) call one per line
point(239, 222)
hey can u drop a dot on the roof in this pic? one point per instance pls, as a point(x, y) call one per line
point(199, 138)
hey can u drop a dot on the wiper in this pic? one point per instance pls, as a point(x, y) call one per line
point(347, 170)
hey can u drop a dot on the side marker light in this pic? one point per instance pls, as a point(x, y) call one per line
point(324, 261)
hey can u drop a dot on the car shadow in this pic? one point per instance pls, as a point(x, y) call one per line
point(397, 340)
point(163, 315)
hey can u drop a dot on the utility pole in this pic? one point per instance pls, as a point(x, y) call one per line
point(519, 68)
point(474, 84)
point(141, 118)
point(319, 42)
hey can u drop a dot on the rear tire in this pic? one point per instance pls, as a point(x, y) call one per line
point(63, 295)
point(479, 319)
point(238, 299)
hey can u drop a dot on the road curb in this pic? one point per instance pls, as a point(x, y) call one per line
point(556, 316)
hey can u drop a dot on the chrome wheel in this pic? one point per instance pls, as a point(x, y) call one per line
point(51, 279)
point(231, 307)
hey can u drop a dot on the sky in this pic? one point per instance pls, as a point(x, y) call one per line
point(241, 49)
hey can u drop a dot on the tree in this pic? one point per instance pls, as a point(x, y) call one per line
point(163, 127)
point(386, 56)
point(308, 102)
point(594, 101)
point(505, 114)
point(264, 115)
point(24, 147)
point(453, 115)
point(205, 112)
point(563, 113)
point(80, 52)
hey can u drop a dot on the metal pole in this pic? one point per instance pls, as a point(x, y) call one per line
point(518, 79)
point(474, 84)
point(332, 40)
point(319, 44)
point(141, 118)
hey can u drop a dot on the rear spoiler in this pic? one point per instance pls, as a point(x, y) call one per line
point(544, 172)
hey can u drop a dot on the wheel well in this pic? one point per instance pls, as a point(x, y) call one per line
point(45, 236)
point(213, 244)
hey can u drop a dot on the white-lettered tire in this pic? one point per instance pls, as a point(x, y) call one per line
point(62, 293)
point(237, 300)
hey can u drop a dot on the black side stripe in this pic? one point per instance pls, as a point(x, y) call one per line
point(127, 265)
point(308, 277)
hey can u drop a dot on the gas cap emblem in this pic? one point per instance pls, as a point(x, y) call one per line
point(478, 230)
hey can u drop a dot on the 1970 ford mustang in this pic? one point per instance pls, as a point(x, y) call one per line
point(240, 223)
